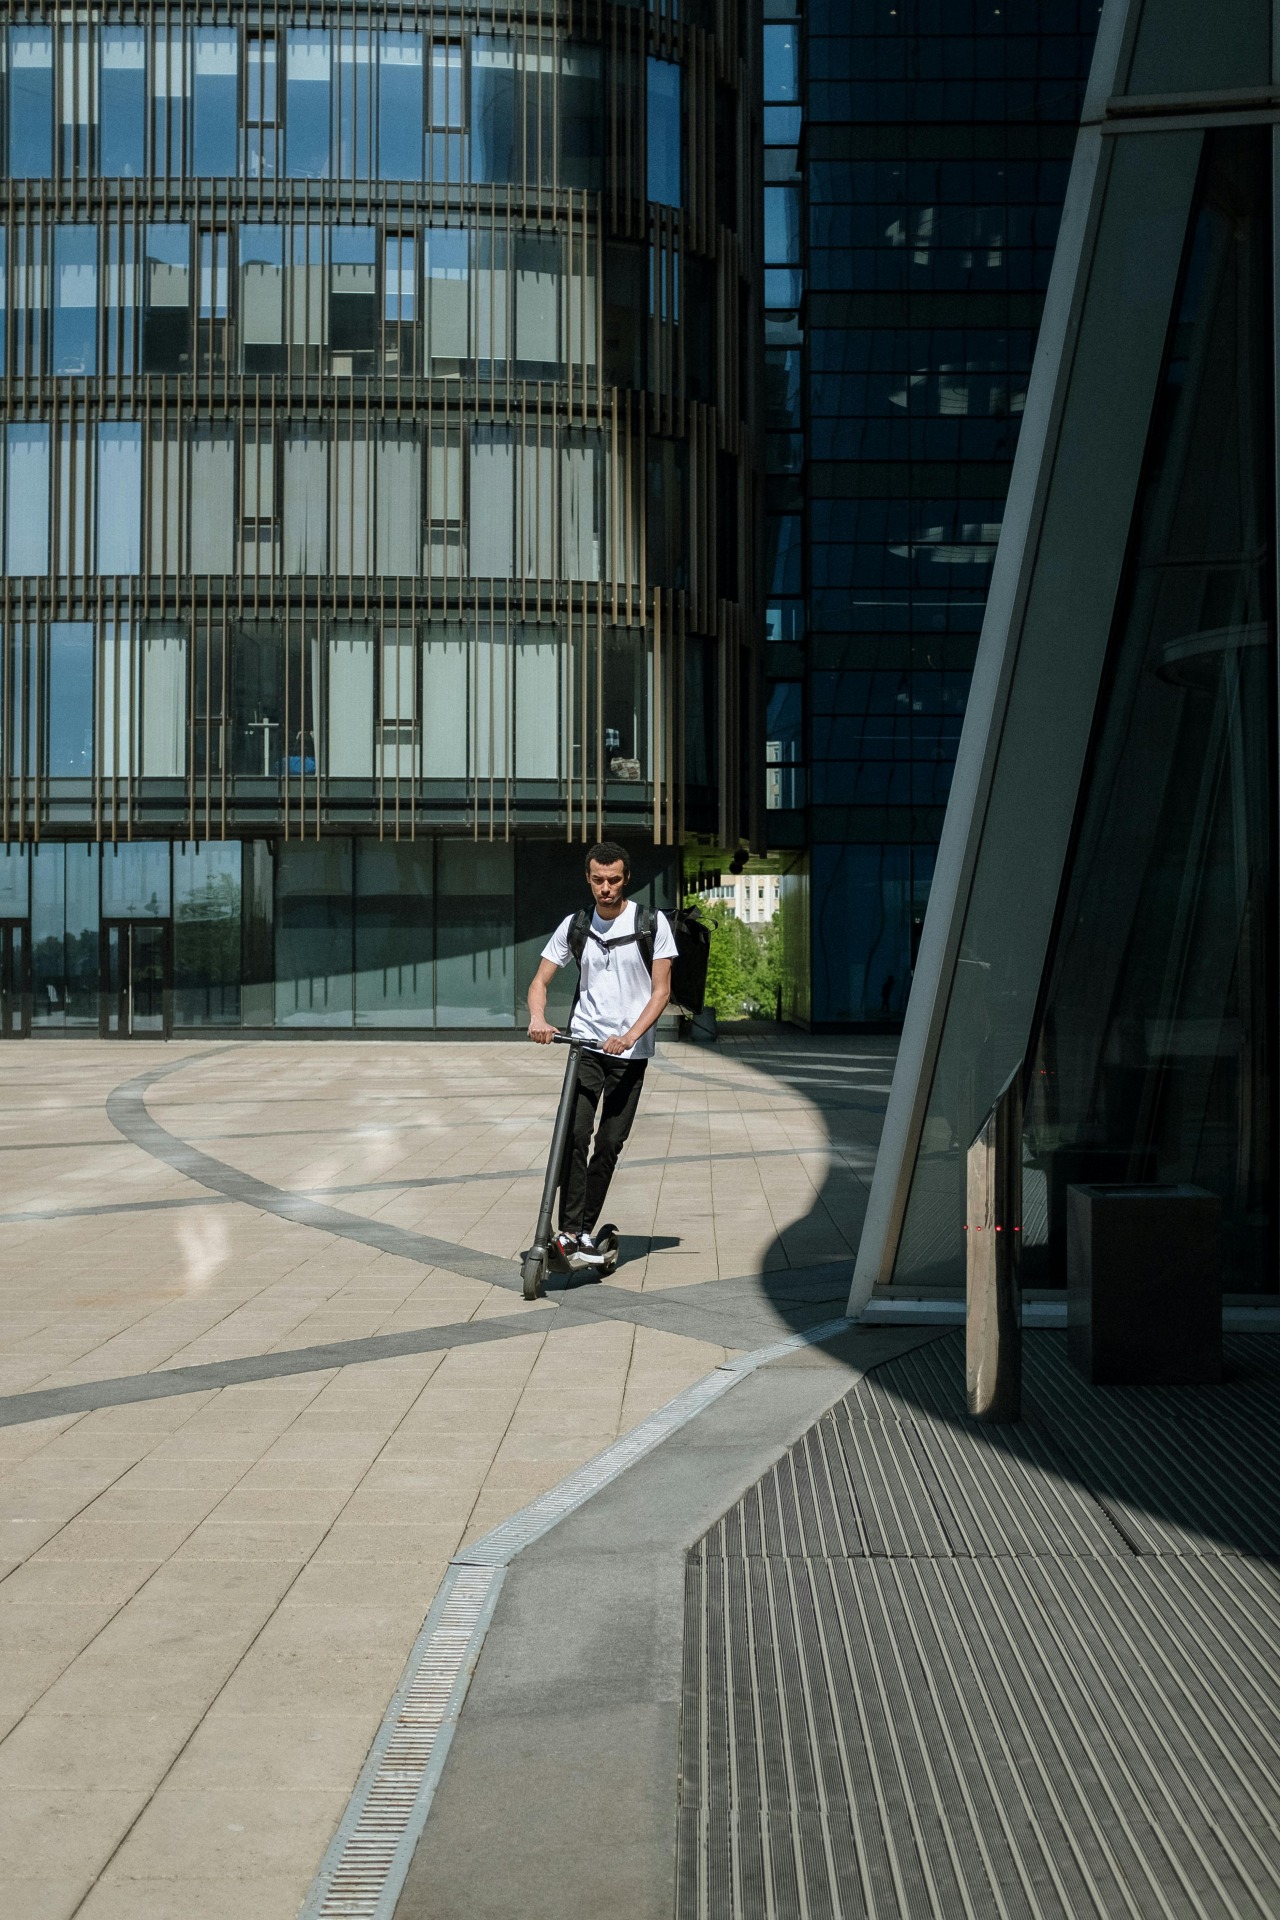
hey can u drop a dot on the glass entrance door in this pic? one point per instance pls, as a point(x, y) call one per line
point(136, 979)
point(15, 979)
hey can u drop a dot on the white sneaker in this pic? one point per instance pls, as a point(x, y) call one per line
point(589, 1254)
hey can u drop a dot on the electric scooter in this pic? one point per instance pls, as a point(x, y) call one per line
point(533, 1273)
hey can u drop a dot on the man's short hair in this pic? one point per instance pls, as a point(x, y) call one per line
point(607, 853)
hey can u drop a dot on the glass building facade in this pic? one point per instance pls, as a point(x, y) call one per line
point(1103, 920)
point(378, 487)
point(916, 160)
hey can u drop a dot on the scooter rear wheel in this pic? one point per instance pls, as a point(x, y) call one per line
point(533, 1273)
point(606, 1238)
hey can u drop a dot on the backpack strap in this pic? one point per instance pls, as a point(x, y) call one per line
point(579, 928)
point(644, 936)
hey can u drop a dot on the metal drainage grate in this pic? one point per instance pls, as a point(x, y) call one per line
point(366, 1864)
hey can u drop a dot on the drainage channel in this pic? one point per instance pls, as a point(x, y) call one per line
point(362, 1873)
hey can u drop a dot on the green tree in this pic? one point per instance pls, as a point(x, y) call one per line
point(744, 966)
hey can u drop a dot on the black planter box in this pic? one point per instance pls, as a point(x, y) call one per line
point(1144, 1285)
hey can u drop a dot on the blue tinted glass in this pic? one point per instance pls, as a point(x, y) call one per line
point(4, 281)
point(119, 497)
point(75, 300)
point(664, 133)
point(31, 102)
point(781, 227)
point(122, 84)
point(400, 106)
point(307, 110)
point(69, 734)
point(26, 530)
point(782, 62)
point(214, 104)
point(495, 151)
point(355, 103)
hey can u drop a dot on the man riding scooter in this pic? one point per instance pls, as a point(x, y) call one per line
point(624, 984)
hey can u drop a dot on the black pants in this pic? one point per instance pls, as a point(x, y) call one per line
point(613, 1086)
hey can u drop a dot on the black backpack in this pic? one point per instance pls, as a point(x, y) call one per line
point(693, 949)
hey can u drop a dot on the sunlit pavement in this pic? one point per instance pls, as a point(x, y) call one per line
point(207, 1597)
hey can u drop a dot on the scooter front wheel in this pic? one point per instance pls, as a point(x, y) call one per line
point(533, 1273)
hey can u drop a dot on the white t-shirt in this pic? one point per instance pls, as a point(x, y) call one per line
point(615, 987)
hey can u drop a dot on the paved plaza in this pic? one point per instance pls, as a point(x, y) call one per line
point(265, 1367)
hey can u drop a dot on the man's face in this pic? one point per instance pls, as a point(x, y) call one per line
point(607, 884)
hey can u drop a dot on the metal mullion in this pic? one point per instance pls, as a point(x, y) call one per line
point(655, 699)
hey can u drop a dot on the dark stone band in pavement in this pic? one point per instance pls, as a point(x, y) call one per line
point(128, 1114)
point(738, 1314)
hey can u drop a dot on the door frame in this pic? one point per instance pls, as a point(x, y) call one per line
point(22, 990)
point(123, 994)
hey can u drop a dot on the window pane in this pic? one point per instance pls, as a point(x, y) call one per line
point(75, 300)
point(395, 935)
point(493, 470)
point(119, 497)
point(166, 318)
point(214, 103)
point(782, 62)
point(350, 705)
point(537, 301)
point(27, 498)
point(448, 338)
point(314, 934)
point(446, 648)
point(400, 106)
point(353, 298)
point(495, 111)
point(539, 669)
point(581, 118)
point(446, 114)
point(475, 934)
point(135, 880)
point(206, 933)
point(306, 501)
point(122, 83)
point(355, 102)
point(212, 500)
point(262, 346)
point(307, 109)
point(664, 133)
point(30, 102)
point(163, 729)
point(257, 656)
point(398, 507)
point(69, 728)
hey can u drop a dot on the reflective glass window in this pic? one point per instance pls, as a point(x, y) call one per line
point(355, 118)
point(75, 300)
point(394, 934)
point(447, 110)
point(664, 132)
point(308, 60)
point(784, 745)
point(26, 502)
point(782, 234)
point(69, 719)
point(448, 253)
point(206, 933)
point(353, 298)
point(495, 115)
point(782, 61)
point(122, 95)
point(262, 132)
point(119, 497)
point(581, 118)
point(31, 102)
point(261, 294)
point(400, 106)
point(166, 314)
point(214, 105)
point(314, 931)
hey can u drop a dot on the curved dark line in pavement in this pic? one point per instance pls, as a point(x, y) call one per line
point(128, 1114)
